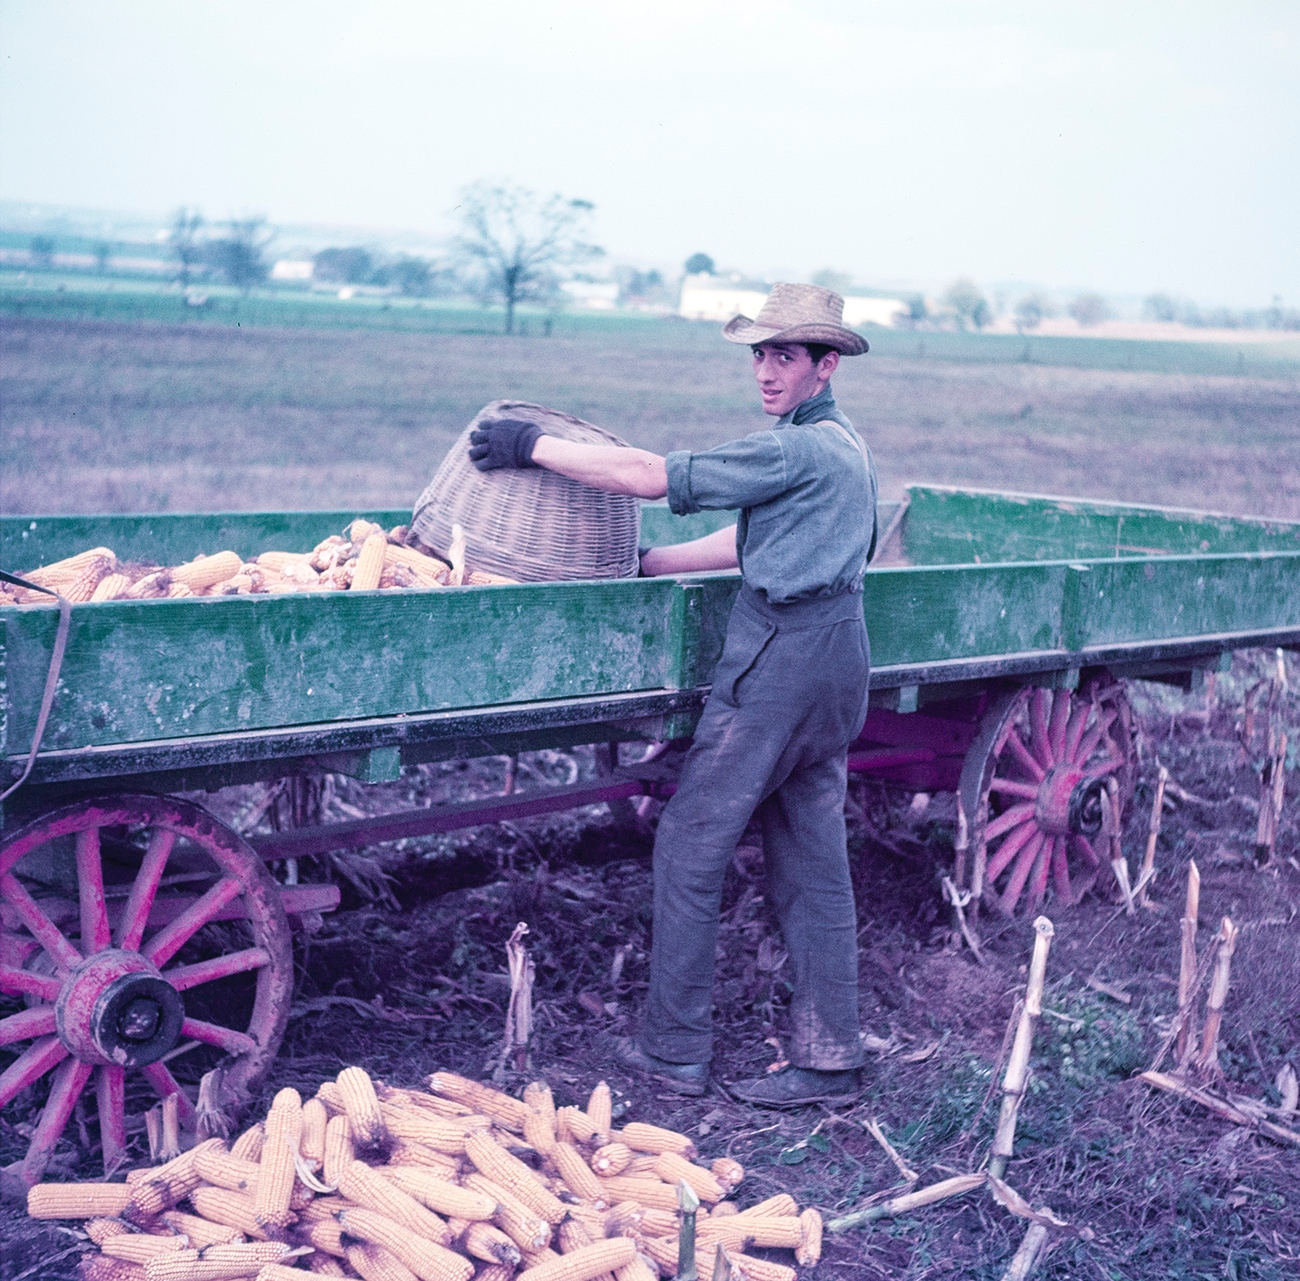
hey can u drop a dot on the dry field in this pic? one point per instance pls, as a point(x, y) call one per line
point(98, 417)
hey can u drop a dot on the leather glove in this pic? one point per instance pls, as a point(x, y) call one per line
point(503, 442)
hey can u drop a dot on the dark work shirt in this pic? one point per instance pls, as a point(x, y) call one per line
point(806, 494)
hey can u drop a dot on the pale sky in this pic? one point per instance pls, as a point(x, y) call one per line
point(1127, 147)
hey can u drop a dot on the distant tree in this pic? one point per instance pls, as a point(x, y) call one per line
point(1089, 310)
point(916, 311)
point(1032, 310)
point(1159, 307)
point(103, 254)
point(183, 243)
point(840, 281)
point(700, 265)
point(970, 306)
point(519, 240)
point(240, 255)
point(350, 266)
point(413, 276)
point(640, 285)
point(41, 249)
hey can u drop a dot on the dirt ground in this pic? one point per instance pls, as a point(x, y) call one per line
point(410, 977)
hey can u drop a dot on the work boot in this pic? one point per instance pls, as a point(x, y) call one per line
point(794, 1087)
point(682, 1078)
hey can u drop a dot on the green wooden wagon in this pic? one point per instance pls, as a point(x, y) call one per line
point(132, 921)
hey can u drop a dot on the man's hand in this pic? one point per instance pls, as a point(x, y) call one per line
point(503, 442)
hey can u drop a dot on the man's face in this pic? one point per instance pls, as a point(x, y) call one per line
point(787, 376)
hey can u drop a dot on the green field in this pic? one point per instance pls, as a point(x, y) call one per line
point(125, 399)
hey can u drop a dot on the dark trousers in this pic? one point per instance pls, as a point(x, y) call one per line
point(789, 695)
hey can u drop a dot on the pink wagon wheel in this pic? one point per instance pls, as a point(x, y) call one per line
point(110, 978)
point(1035, 791)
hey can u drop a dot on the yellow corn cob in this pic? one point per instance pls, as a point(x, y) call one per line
point(331, 1096)
point(339, 1153)
point(370, 566)
point(278, 561)
point(231, 1209)
point(600, 1109)
point(495, 1272)
point(641, 1166)
point(662, 1251)
point(325, 1235)
point(281, 1272)
point(482, 1098)
point(110, 587)
point(440, 1194)
point(78, 1200)
point(673, 1168)
point(312, 1143)
point(99, 1267)
point(207, 571)
point(63, 573)
point(484, 578)
point(492, 1160)
point(637, 1270)
point(641, 1137)
point(591, 1219)
point(781, 1205)
point(483, 1241)
point(739, 1231)
point(406, 1152)
point(140, 1247)
point(150, 587)
point(625, 1218)
point(323, 1207)
point(374, 1263)
point(369, 1189)
point(582, 1265)
point(573, 1125)
point(82, 588)
point(428, 1261)
point(216, 1263)
point(163, 1187)
point(99, 1230)
point(611, 1159)
point(248, 1147)
point(809, 1249)
point(577, 1174)
point(539, 1132)
point(276, 1173)
point(432, 1103)
point(529, 1231)
point(223, 1170)
point(200, 1231)
point(728, 1172)
point(361, 529)
point(443, 1134)
point(428, 569)
point(648, 1192)
point(659, 1223)
point(300, 1198)
point(724, 1210)
point(538, 1096)
point(326, 1265)
point(755, 1269)
point(177, 590)
point(369, 1133)
point(573, 1235)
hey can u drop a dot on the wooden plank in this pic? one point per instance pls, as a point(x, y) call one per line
point(145, 670)
point(953, 526)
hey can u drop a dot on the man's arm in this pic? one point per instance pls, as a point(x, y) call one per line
point(713, 551)
point(612, 468)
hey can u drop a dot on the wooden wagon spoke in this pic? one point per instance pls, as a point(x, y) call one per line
point(1025, 759)
point(27, 1024)
point(1013, 787)
point(171, 938)
point(1088, 744)
point(158, 1075)
point(1074, 728)
point(1061, 870)
point(136, 914)
point(28, 983)
point(184, 977)
point(110, 1097)
point(32, 1064)
point(1038, 740)
point(1020, 872)
point(1038, 877)
point(1009, 848)
point(1013, 817)
point(43, 930)
point(1083, 846)
point(95, 936)
point(1061, 701)
point(69, 1080)
point(224, 1038)
point(1107, 765)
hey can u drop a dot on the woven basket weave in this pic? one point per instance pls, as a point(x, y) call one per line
point(530, 524)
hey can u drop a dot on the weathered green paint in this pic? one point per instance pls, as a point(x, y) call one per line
point(957, 527)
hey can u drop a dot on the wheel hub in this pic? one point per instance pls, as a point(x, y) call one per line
point(1069, 802)
point(115, 1008)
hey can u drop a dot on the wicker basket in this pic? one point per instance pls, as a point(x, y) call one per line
point(530, 524)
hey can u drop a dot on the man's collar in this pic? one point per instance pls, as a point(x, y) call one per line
point(813, 410)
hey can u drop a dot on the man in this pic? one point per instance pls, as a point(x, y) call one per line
point(789, 695)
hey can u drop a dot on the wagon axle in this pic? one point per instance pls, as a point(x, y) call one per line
point(117, 1009)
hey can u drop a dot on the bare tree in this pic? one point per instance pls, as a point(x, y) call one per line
point(239, 255)
point(520, 240)
point(184, 243)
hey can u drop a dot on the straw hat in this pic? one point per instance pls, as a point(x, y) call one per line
point(798, 313)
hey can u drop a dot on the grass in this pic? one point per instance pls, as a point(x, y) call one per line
point(102, 415)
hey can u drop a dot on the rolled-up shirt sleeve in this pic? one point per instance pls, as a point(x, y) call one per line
point(741, 473)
